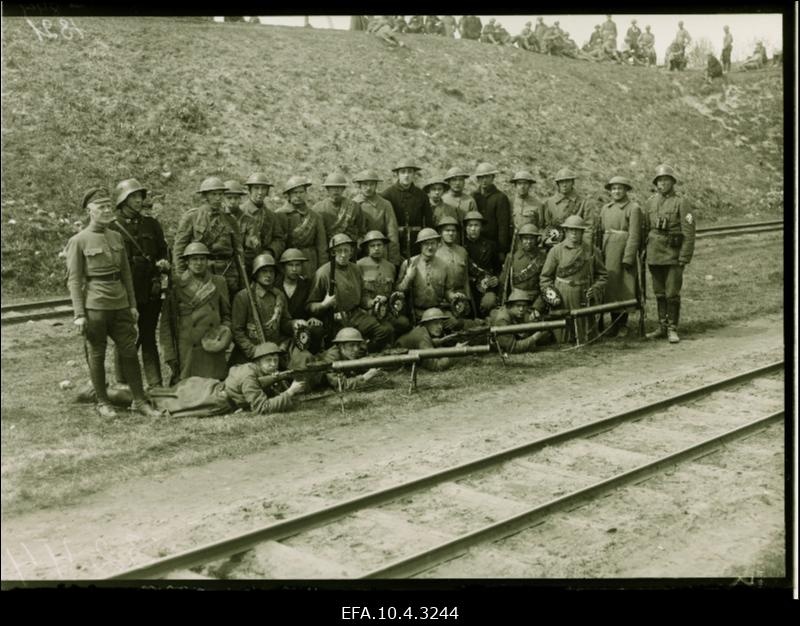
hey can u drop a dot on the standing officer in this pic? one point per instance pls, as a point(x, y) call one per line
point(339, 214)
point(609, 30)
point(621, 228)
point(647, 44)
point(670, 227)
point(378, 212)
point(494, 205)
point(104, 302)
point(456, 179)
point(526, 208)
point(217, 230)
point(147, 249)
point(727, 46)
point(411, 207)
point(269, 227)
point(576, 270)
point(566, 201)
point(378, 277)
point(305, 230)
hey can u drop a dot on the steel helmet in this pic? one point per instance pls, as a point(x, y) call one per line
point(348, 334)
point(234, 187)
point(448, 221)
point(619, 180)
point(266, 349)
point(339, 240)
point(523, 175)
point(664, 170)
point(530, 230)
point(564, 174)
point(366, 175)
point(552, 297)
point(216, 339)
point(427, 233)
point(195, 249)
point(432, 314)
point(293, 254)
point(485, 169)
point(406, 164)
point(264, 259)
point(455, 172)
point(434, 180)
point(257, 178)
point(474, 216)
point(374, 235)
point(519, 295)
point(125, 188)
point(574, 222)
point(294, 182)
point(212, 183)
point(336, 179)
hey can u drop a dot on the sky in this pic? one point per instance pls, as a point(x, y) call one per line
point(745, 28)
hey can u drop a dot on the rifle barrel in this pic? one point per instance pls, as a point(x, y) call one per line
point(602, 308)
point(375, 361)
point(527, 327)
point(455, 351)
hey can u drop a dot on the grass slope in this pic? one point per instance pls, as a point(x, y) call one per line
point(171, 101)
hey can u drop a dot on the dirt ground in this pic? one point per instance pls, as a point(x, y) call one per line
point(142, 519)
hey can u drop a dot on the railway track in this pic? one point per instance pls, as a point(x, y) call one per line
point(61, 307)
point(410, 528)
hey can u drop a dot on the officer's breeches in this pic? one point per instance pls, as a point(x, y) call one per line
point(667, 281)
point(147, 324)
point(118, 325)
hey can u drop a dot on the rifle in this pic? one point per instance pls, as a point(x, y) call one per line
point(239, 256)
point(508, 265)
point(461, 335)
point(308, 370)
point(641, 283)
point(172, 320)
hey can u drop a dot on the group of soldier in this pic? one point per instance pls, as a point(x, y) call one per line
point(248, 289)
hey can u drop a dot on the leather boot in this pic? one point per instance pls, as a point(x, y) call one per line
point(97, 373)
point(133, 374)
point(673, 315)
point(661, 331)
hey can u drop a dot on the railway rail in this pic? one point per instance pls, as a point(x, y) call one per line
point(61, 307)
point(398, 531)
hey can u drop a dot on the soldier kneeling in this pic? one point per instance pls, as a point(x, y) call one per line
point(517, 310)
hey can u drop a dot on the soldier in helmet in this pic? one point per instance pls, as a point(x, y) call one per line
point(567, 201)
point(425, 278)
point(218, 231)
point(483, 266)
point(435, 187)
point(430, 327)
point(268, 226)
point(411, 207)
point(378, 277)
point(232, 200)
point(305, 228)
point(378, 212)
point(455, 259)
point(195, 328)
point(621, 228)
point(347, 298)
point(347, 345)
point(517, 310)
point(464, 203)
point(489, 33)
point(104, 301)
point(540, 35)
point(339, 214)
point(296, 288)
point(526, 208)
point(273, 312)
point(494, 205)
point(576, 270)
point(147, 250)
point(669, 224)
point(526, 266)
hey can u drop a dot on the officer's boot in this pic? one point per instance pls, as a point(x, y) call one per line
point(118, 375)
point(674, 311)
point(133, 374)
point(661, 331)
point(96, 361)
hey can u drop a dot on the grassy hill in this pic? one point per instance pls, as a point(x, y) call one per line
point(171, 101)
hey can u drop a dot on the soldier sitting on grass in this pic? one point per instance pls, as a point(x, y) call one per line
point(430, 327)
point(517, 310)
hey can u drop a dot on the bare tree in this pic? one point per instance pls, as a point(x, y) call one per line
point(697, 56)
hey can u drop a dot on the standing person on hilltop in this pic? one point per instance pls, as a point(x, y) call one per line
point(494, 205)
point(339, 214)
point(304, 228)
point(540, 35)
point(378, 212)
point(682, 37)
point(449, 26)
point(147, 250)
point(632, 38)
point(567, 201)
point(727, 46)
point(210, 225)
point(647, 43)
point(269, 228)
point(101, 288)
point(470, 27)
point(669, 225)
point(411, 207)
point(609, 30)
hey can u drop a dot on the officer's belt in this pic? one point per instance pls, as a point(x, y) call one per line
point(105, 277)
point(614, 230)
point(572, 283)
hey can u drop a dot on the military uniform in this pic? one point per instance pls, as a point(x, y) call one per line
point(568, 269)
point(268, 227)
point(101, 288)
point(378, 280)
point(201, 305)
point(482, 257)
point(273, 310)
point(559, 207)
point(345, 218)
point(525, 271)
point(527, 210)
point(670, 226)
point(412, 212)
point(727, 46)
point(419, 338)
point(463, 203)
point(307, 233)
point(244, 390)
point(496, 209)
point(456, 262)
point(621, 227)
point(430, 286)
point(149, 247)
point(379, 215)
point(517, 343)
point(442, 210)
point(220, 233)
point(349, 292)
